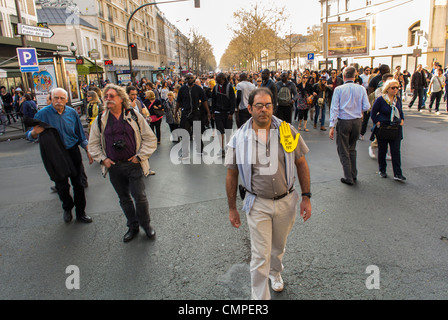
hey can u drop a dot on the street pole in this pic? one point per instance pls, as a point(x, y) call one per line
point(326, 37)
point(129, 22)
point(24, 44)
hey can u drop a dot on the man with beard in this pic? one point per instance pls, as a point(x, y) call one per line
point(122, 141)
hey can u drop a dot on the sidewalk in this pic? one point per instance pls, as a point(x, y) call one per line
point(15, 131)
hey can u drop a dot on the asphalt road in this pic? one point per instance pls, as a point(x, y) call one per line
point(399, 228)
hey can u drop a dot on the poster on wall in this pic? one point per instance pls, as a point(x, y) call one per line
point(72, 79)
point(44, 81)
point(124, 78)
point(347, 38)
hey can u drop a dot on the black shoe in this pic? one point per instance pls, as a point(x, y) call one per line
point(383, 174)
point(130, 234)
point(53, 190)
point(67, 216)
point(399, 177)
point(85, 219)
point(150, 232)
point(350, 183)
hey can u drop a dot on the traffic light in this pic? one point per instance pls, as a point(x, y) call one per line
point(197, 3)
point(134, 51)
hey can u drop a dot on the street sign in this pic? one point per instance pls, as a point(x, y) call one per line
point(27, 59)
point(94, 54)
point(27, 30)
point(417, 53)
point(310, 56)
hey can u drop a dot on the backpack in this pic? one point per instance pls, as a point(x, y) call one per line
point(284, 97)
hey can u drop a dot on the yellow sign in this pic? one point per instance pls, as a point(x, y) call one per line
point(286, 139)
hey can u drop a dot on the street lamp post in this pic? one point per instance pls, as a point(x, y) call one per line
point(196, 5)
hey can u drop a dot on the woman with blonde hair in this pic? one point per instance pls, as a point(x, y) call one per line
point(387, 115)
point(94, 106)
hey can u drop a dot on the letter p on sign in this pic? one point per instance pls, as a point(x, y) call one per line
point(27, 57)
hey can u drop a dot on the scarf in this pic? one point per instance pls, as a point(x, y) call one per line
point(393, 104)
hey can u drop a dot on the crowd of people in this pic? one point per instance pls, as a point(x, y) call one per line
point(125, 128)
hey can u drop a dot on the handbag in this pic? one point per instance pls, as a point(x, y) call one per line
point(309, 100)
point(387, 131)
point(159, 112)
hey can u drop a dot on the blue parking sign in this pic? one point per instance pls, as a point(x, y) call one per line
point(27, 59)
point(310, 56)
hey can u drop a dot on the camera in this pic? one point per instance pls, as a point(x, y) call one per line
point(119, 145)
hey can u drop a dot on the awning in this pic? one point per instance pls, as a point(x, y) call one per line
point(88, 67)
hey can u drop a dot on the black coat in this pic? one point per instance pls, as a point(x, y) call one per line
point(55, 157)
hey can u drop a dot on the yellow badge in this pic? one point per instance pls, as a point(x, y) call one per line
point(286, 139)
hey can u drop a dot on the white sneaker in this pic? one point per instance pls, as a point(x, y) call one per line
point(388, 157)
point(372, 153)
point(361, 137)
point(277, 283)
point(437, 113)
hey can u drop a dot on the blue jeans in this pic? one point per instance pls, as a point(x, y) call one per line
point(425, 94)
point(316, 114)
point(127, 179)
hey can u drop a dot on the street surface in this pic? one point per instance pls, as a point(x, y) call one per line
point(401, 228)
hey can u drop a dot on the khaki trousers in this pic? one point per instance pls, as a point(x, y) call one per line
point(270, 222)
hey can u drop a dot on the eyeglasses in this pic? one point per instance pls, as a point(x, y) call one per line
point(110, 96)
point(393, 88)
point(260, 106)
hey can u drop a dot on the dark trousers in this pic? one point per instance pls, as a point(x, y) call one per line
point(303, 114)
point(223, 122)
point(243, 116)
point(418, 93)
point(155, 127)
point(435, 96)
point(173, 127)
point(127, 179)
point(394, 152)
point(284, 113)
point(63, 187)
point(365, 122)
point(9, 114)
point(187, 122)
point(347, 134)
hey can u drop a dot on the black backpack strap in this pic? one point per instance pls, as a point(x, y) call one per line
point(133, 117)
point(100, 115)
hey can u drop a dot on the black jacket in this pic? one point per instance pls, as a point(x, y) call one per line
point(56, 159)
point(224, 101)
point(418, 80)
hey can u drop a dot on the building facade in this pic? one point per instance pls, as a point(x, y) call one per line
point(401, 32)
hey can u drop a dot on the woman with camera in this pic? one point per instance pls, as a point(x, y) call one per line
point(387, 115)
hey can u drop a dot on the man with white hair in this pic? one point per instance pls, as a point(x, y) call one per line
point(60, 132)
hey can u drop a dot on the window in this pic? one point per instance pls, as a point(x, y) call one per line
point(413, 38)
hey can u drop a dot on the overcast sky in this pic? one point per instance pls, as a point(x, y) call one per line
point(215, 16)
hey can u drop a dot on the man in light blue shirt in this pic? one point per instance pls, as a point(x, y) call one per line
point(347, 106)
point(66, 121)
